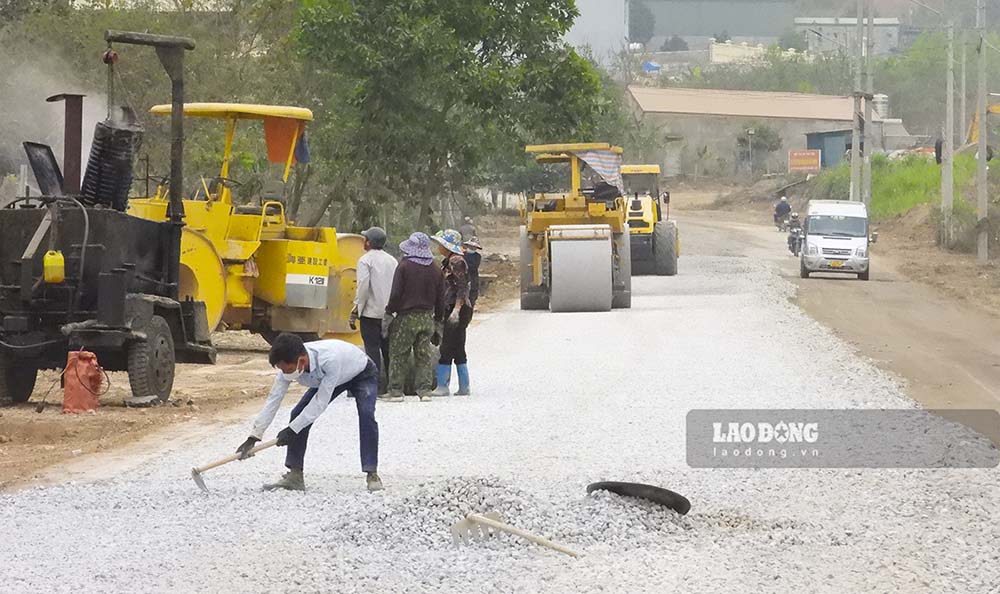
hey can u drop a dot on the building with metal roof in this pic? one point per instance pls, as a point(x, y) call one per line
point(707, 129)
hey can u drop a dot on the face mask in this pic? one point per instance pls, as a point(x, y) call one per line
point(291, 377)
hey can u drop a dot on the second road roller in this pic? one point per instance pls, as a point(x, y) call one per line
point(574, 246)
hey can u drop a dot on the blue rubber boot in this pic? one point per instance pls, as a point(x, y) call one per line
point(463, 380)
point(443, 379)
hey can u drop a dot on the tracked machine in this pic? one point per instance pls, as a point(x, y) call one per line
point(574, 245)
point(78, 272)
point(654, 237)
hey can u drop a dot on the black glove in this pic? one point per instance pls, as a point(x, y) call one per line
point(285, 436)
point(245, 447)
point(353, 320)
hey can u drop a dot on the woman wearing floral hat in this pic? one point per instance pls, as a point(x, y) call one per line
point(457, 313)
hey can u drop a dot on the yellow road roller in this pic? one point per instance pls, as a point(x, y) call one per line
point(654, 237)
point(575, 245)
point(251, 266)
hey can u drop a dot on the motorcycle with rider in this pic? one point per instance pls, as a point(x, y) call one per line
point(796, 234)
point(781, 211)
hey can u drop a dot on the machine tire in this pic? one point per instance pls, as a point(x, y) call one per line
point(530, 299)
point(534, 300)
point(151, 361)
point(866, 274)
point(665, 248)
point(17, 381)
point(622, 298)
point(803, 273)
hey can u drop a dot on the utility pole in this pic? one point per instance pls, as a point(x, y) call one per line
point(856, 129)
point(948, 158)
point(981, 189)
point(869, 145)
point(964, 93)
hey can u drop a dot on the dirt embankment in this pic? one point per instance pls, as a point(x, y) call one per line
point(910, 240)
point(30, 441)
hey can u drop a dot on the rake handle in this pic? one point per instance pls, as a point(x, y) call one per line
point(235, 457)
point(538, 540)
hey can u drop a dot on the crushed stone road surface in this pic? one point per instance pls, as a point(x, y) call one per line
point(560, 401)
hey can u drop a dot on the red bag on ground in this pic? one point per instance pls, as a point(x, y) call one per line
point(81, 382)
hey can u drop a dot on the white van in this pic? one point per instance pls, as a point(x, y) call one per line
point(836, 239)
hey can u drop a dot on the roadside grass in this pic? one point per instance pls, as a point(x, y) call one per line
point(897, 186)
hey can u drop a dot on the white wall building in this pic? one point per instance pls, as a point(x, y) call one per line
point(602, 27)
point(830, 35)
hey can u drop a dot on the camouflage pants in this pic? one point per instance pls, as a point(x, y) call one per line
point(410, 344)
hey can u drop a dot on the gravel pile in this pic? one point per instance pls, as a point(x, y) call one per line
point(560, 401)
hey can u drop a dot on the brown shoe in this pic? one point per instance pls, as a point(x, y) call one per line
point(291, 481)
point(392, 396)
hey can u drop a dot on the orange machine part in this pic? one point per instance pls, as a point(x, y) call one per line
point(81, 382)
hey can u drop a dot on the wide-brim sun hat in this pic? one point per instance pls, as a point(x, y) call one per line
point(417, 245)
point(450, 239)
point(473, 243)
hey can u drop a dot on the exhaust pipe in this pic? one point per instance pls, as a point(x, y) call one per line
point(72, 140)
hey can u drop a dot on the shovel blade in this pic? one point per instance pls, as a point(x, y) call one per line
point(198, 480)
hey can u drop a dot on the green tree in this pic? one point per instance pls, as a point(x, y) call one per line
point(765, 140)
point(641, 22)
point(430, 90)
point(792, 39)
point(674, 44)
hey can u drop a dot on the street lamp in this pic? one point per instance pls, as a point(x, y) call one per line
point(750, 134)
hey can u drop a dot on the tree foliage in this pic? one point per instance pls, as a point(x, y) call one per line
point(674, 44)
point(413, 99)
point(641, 22)
point(792, 39)
point(433, 89)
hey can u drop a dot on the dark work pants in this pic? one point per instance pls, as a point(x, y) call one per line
point(364, 390)
point(453, 339)
point(376, 346)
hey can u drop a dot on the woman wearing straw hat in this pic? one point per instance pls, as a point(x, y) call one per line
point(415, 302)
point(458, 310)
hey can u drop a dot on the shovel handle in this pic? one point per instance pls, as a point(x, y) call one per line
point(235, 457)
point(538, 540)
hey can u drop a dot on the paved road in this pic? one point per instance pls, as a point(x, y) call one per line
point(560, 401)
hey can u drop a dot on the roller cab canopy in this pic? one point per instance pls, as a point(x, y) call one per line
point(605, 159)
point(284, 129)
point(640, 169)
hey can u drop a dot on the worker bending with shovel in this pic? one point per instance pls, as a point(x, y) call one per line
point(328, 368)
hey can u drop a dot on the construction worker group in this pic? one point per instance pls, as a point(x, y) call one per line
point(404, 309)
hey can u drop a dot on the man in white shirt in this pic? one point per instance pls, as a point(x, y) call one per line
point(328, 368)
point(375, 271)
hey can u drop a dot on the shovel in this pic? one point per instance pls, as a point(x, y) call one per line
point(196, 471)
point(484, 526)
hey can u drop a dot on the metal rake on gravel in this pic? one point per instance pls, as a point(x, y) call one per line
point(478, 527)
